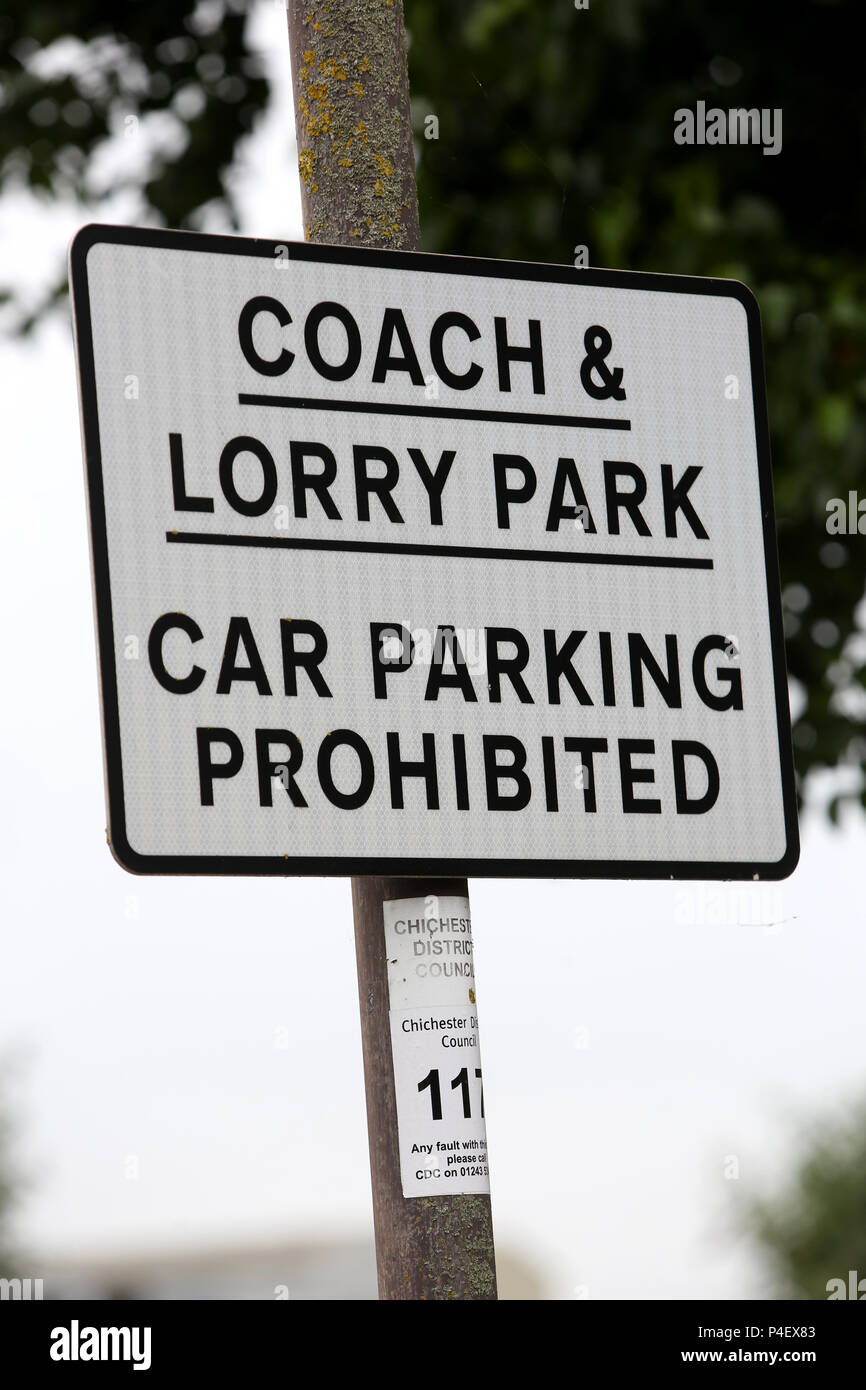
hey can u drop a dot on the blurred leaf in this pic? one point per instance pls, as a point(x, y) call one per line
point(813, 1230)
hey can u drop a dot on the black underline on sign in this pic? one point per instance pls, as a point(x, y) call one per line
point(443, 412)
point(461, 552)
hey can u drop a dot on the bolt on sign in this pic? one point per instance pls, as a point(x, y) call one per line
point(422, 564)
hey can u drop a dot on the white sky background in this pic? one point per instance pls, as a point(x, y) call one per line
point(161, 1035)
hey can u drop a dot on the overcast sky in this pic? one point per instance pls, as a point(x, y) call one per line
point(635, 1036)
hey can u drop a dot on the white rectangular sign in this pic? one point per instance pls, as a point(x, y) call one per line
point(438, 1082)
point(417, 564)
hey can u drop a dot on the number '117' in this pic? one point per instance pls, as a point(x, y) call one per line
point(461, 1081)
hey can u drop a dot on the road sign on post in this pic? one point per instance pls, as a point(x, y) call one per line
point(356, 160)
point(414, 564)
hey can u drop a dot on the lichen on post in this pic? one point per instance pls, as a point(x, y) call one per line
point(355, 155)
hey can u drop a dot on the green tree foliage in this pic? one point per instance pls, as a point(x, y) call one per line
point(555, 129)
point(75, 72)
point(814, 1229)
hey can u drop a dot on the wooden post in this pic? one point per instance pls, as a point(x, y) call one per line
point(426, 1247)
point(357, 167)
point(355, 153)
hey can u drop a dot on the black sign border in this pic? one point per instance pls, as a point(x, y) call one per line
point(285, 866)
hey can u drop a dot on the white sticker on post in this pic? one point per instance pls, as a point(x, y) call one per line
point(434, 1041)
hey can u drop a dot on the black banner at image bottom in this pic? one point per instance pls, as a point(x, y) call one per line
point(163, 1340)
